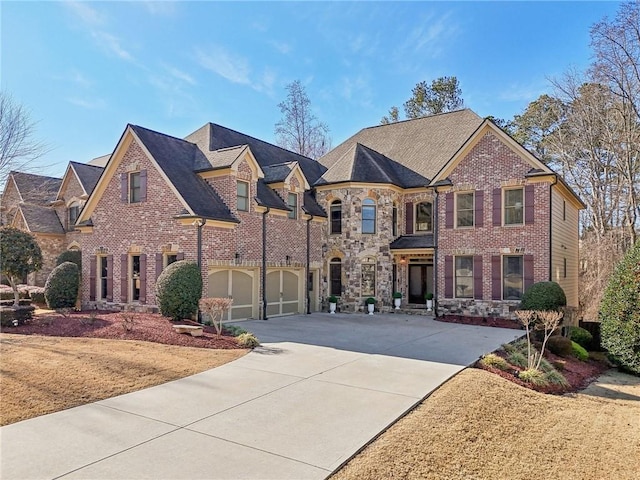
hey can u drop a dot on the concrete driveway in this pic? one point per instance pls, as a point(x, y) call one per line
point(319, 388)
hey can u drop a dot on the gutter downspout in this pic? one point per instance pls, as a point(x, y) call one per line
point(551, 228)
point(435, 254)
point(308, 297)
point(264, 263)
point(200, 223)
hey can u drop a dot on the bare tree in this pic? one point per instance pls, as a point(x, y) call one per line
point(18, 146)
point(299, 130)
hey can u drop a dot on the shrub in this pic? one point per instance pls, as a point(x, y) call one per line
point(580, 336)
point(247, 340)
point(428, 296)
point(493, 360)
point(620, 312)
point(543, 296)
point(370, 301)
point(12, 316)
point(74, 256)
point(556, 378)
point(178, 290)
point(534, 377)
point(61, 288)
point(518, 359)
point(233, 330)
point(332, 299)
point(579, 352)
point(560, 346)
point(397, 295)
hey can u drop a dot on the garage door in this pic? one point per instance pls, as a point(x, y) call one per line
point(239, 285)
point(283, 292)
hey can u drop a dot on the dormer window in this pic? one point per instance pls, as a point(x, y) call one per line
point(74, 211)
point(243, 196)
point(134, 187)
point(292, 202)
point(336, 217)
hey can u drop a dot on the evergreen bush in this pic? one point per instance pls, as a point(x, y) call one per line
point(620, 312)
point(580, 336)
point(579, 352)
point(543, 296)
point(61, 288)
point(179, 289)
point(74, 256)
point(560, 346)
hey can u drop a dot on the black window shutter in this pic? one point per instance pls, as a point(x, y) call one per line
point(478, 221)
point(528, 271)
point(124, 277)
point(448, 276)
point(497, 207)
point(496, 278)
point(143, 278)
point(143, 185)
point(93, 266)
point(159, 264)
point(448, 218)
point(477, 277)
point(408, 215)
point(528, 204)
point(109, 278)
point(124, 187)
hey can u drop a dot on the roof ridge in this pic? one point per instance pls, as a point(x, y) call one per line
point(406, 120)
point(85, 164)
point(161, 134)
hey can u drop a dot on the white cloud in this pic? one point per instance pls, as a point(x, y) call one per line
point(357, 90)
point(179, 74)
point(517, 92)
point(111, 44)
point(282, 47)
point(88, 15)
point(222, 62)
point(431, 35)
point(164, 7)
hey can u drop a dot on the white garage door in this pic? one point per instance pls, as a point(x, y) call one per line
point(239, 285)
point(283, 292)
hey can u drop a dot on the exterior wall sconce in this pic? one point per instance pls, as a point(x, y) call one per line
point(238, 258)
point(288, 260)
point(403, 260)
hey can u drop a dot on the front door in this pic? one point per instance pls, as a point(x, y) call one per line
point(420, 282)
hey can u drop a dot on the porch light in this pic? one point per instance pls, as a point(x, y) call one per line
point(403, 260)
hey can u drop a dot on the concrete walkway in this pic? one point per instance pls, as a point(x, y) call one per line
point(319, 388)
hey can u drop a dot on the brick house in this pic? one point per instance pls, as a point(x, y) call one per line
point(48, 207)
point(450, 205)
point(240, 207)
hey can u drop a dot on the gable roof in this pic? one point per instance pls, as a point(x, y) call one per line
point(266, 197)
point(88, 175)
point(362, 164)
point(40, 219)
point(423, 145)
point(37, 189)
point(176, 158)
point(217, 137)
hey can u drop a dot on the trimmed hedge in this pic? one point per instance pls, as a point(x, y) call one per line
point(179, 289)
point(579, 352)
point(11, 316)
point(61, 288)
point(580, 336)
point(620, 312)
point(560, 346)
point(74, 256)
point(543, 296)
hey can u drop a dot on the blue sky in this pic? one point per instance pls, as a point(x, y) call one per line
point(86, 69)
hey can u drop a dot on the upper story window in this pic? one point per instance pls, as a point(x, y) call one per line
point(292, 201)
point(335, 217)
point(368, 216)
point(424, 217)
point(514, 206)
point(242, 190)
point(74, 211)
point(464, 209)
point(135, 188)
point(394, 221)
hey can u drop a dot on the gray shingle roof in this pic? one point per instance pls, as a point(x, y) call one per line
point(87, 174)
point(41, 219)
point(36, 189)
point(176, 157)
point(265, 153)
point(277, 173)
point(267, 197)
point(311, 206)
point(362, 164)
point(423, 145)
point(405, 242)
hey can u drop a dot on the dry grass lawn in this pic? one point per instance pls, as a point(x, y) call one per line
point(42, 375)
point(481, 426)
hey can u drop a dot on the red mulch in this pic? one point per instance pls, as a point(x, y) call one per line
point(482, 321)
point(149, 327)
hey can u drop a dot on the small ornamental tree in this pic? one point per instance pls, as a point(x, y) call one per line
point(543, 296)
point(179, 289)
point(20, 255)
point(215, 308)
point(61, 289)
point(620, 312)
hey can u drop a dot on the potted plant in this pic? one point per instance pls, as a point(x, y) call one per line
point(333, 302)
point(397, 299)
point(371, 304)
point(429, 298)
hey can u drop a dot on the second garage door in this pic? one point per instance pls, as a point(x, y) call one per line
point(284, 292)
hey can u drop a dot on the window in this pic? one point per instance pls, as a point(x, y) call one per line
point(424, 217)
point(243, 196)
point(394, 221)
point(292, 201)
point(335, 277)
point(170, 258)
point(368, 216)
point(512, 277)
point(336, 217)
point(368, 278)
point(103, 268)
point(74, 211)
point(564, 268)
point(464, 277)
point(464, 209)
point(135, 277)
point(514, 206)
point(134, 188)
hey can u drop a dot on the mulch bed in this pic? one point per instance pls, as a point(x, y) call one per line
point(482, 321)
point(147, 327)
